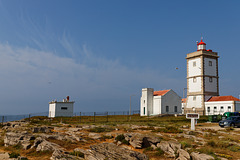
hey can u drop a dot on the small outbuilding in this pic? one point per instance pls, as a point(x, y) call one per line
point(61, 109)
point(159, 102)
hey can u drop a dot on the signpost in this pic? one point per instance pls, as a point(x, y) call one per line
point(192, 116)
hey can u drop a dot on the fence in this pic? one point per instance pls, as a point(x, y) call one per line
point(79, 116)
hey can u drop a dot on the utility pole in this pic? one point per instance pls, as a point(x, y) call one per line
point(130, 107)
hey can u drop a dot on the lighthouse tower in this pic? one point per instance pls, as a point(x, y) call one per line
point(202, 78)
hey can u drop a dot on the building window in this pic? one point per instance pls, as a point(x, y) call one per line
point(221, 109)
point(143, 110)
point(194, 98)
point(214, 109)
point(175, 109)
point(167, 109)
point(210, 63)
point(208, 109)
point(194, 80)
point(229, 108)
point(64, 108)
point(210, 79)
point(144, 101)
point(194, 64)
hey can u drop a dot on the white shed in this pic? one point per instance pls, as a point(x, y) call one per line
point(160, 102)
point(61, 109)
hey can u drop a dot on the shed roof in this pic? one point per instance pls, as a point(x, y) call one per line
point(160, 93)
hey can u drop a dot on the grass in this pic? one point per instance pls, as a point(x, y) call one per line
point(101, 129)
point(169, 129)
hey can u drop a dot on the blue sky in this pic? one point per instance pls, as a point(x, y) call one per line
point(101, 52)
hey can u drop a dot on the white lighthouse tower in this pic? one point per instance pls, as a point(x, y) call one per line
point(202, 78)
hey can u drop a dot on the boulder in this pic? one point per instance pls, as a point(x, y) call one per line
point(94, 135)
point(61, 155)
point(111, 151)
point(183, 155)
point(42, 129)
point(143, 141)
point(48, 146)
point(4, 155)
point(200, 156)
point(169, 147)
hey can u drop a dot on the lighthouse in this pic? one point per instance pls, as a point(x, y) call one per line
point(202, 78)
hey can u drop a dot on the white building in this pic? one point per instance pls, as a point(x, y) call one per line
point(61, 109)
point(159, 102)
point(203, 85)
point(202, 78)
point(220, 104)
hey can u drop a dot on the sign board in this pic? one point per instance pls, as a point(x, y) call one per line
point(192, 116)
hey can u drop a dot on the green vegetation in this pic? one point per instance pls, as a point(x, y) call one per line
point(169, 129)
point(100, 129)
point(14, 155)
point(122, 139)
point(159, 152)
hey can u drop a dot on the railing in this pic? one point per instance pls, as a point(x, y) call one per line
point(79, 116)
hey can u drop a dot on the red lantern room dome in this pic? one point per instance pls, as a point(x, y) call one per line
point(201, 46)
point(201, 43)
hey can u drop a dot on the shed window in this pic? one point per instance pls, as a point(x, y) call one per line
point(167, 109)
point(175, 109)
point(64, 108)
point(210, 63)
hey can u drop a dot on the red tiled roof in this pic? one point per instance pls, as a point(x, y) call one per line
point(160, 93)
point(223, 98)
point(184, 100)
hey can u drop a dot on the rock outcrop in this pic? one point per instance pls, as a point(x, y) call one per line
point(111, 151)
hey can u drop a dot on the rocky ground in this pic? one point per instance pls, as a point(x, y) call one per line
point(23, 140)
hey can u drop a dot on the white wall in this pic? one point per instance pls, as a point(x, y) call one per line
point(51, 110)
point(194, 71)
point(61, 109)
point(157, 100)
point(171, 99)
point(195, 86)
point(197, 103)
point(218, 105)
point(146, 101)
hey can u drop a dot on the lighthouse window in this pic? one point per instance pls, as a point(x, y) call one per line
point(194, 64)
point(210, 63)
point(194, 80)
point(210, 79)
point(194, 98)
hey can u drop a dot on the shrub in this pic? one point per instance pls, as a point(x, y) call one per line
point(211, 143)
point(14, 155)
point(120, 137)
point(234, 148)
point(185, 144)
point(159, 152)
point(77, 153)
point(100, 129)
point(147, 149)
